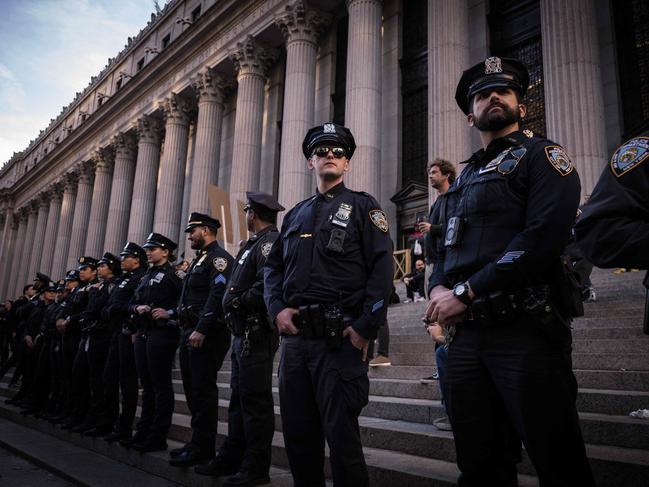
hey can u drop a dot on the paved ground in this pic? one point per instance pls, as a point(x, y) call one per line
point(18, 472)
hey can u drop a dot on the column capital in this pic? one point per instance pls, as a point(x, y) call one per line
point(349, 3)
point(32, 206)
point(43, 200)
point(23, 213)
point(176, 109)
point(85, 172)
point(124, 145)
point(55, 191)
point(149, 129)
point(251, 57)
point(301, 23)
point(211, 86)
point(68, 181)
point(103, 159)
point(15, 221)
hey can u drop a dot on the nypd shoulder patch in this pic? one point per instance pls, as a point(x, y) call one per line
point(559, 159)
point(379, 219)
point(220, 264)
point(630, 155)
point(265, 248)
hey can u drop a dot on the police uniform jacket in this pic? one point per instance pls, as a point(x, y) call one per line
point(517, 200)
point(48, 325)
point(204, 286)
point(115, 310)
point(35, 319)
point(97, 297)
point(245, 291)
point(159, 288)
point(613, 230)
point(334, 248)
point(76, 305)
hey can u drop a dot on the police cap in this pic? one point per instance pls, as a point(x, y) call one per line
point(159, 240)
point(493, 72)
point(42, 278)
point(87, 262)
point(60, 285)
point(331, 133)
point(134, 250)
point(202, 220)
point(72, 275)
point(50, 286)
point(111, 261)
point(262, 201)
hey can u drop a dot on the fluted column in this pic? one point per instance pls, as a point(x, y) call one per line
point(146, 179)
point(169, 198)
point(187, 190)
point(64, 230)
point(301, 27)
point(104, 163)
point(15, 284)
point(27, 245)
point(8, 246)
point(39, 235)
point(251, 60)
point(81, 214)
point(363, 96)
point(55, 195)
point(212, 89)
point(574, 100)
point(121, 192)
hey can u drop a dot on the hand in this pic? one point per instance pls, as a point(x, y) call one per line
point(436, 333)
point(142, 308)
point(196, 339)
point(284, 321)
point(444, 307)
point(407, 280)
point(424, 227)
point(133, 337)
point(61, 325)
point(357, 340)
point(160, 314)
point(29, 341)
point(8, 305)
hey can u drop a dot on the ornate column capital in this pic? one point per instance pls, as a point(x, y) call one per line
point(250, 57)
point(85, 172)
point(43, 200)
point(55, 191)
point(68, 181)
point(211, 86)
point(23, 214)
point(32, 206)
point(103, 159)
point(124, 145)
point(15, 221)
point(301, 23)
point(149, 129)
point(176, 109)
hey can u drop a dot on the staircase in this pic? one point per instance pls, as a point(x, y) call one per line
point(403, 448)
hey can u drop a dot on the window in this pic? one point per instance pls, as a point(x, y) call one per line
point(196, 13)
point(140, 64)
point(118, 84)
point(45, 151)
point(166, 40)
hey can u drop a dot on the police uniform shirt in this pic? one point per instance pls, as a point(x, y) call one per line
point(246, 284)
point(35, 319)
point(517, 200)
point(613, 230)
point(115, 311)
point(79, 299)
point(334, 248)
point(98, 295)
point(205, 285)
point(158, 288)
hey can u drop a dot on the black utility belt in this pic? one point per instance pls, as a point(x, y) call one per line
point(323, 321)
point(255, 324)
point(157, 324)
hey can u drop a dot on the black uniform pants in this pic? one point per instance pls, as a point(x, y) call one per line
point(29, 360)
point(510, 381)
point(251, 413)
point(97, 355)
point(199, 368)
point(41, 382)
point(110, 379)
point(155, 350)
point(127, 383)
point(80, 382)
point(69, 346)
point(56, 355)
point(322, 393)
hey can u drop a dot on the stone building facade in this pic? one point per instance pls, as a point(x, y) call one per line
point(222, 92)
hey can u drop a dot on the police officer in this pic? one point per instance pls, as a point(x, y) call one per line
point(251, 416)
point(205, 337)
point(327, 283)
point(155, 344)
point(507, 218)
point(120, 370)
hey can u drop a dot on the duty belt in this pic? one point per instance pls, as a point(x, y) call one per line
point(252, 323)
point(312, 320)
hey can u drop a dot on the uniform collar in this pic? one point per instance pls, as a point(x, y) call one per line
point(213, 246)
point(262, 232)
point(496, 146)
point(333, 192)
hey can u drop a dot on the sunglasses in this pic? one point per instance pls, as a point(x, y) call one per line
point(338, 152)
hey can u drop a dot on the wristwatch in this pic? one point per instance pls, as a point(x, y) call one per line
point(461, 292)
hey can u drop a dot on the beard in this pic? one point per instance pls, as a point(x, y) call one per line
point(490, 121)
point(198, 243)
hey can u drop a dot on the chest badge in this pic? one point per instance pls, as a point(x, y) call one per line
point(559, 159)
point(243, 257)
point(379, 219)
point(265, 248)
point(220, 264)
point(341, 218)
point(630, 155)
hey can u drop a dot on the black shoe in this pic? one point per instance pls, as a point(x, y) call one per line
point(138, 437)
point(216, 468)
point(150, 446)
point(96, 432)
point(117, 436)
point(80, 428)
point(177, 451)
point(246, 479)
point(189, 458)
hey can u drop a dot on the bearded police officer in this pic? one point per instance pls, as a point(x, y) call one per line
point(327, 283)
point(251, 416)
point(205, 337)
point(507, 219)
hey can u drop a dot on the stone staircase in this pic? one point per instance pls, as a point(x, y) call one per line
point(403, 448)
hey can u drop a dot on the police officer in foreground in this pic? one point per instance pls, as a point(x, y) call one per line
point(501, 281)
point(205, 337)
point(246, 451)
point(327, 283)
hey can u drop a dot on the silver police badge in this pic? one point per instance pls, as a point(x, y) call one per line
point(630, 155)
point(265, 248)
point(379, 219)
point(559, 159)
point(329, 128)
point(220, 264)
point(341, 218)
point(493, 65)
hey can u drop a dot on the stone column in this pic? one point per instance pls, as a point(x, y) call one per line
point(39, 235)
point(104, 162)
point(169, 198)
point(227, 139)
point(251, 60)
point(574, 100)
point(121, 192)
point(27, 245)
point(301, 28)
point(363, 96)
point(64, 231)
point(15, 284)
point(189, 168)
point(55, 195)
point(81, 214)
point(8, 246)
point(146, 179)
point(270, 139)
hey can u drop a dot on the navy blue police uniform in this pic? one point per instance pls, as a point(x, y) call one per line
point(251, 415)
point(332, 262)
point(155, 348)
point(507, 218)
point(200, 309)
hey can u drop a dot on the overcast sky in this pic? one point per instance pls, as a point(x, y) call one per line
point(49, 49)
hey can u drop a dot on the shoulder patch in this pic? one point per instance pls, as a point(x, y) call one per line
point(220, 264)
point(630, 155)
point(559, 159)
point(265, 248)
point(379, 219)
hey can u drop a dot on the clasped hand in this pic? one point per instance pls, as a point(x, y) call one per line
point(444, 308)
